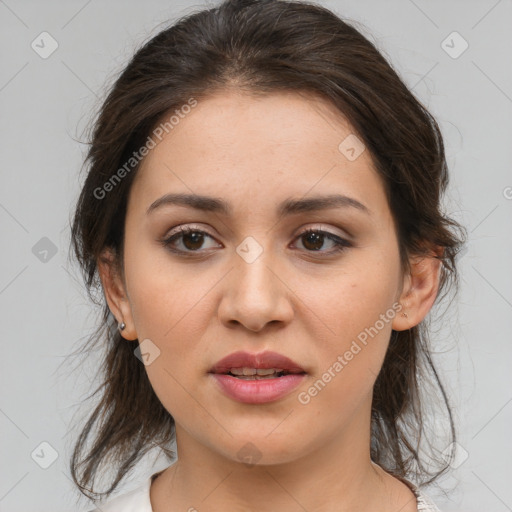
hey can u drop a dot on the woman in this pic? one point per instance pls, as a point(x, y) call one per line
point(262, 212)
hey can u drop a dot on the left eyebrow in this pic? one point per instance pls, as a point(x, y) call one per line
point(288, 207)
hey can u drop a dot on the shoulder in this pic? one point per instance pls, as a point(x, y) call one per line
point(425, 504)
point(423, 501)
point(136, 500)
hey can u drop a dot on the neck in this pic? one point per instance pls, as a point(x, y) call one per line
point(336, 476)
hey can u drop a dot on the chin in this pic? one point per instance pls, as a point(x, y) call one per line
point(261, 449)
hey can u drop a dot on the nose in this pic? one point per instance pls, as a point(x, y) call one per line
point(254, 295)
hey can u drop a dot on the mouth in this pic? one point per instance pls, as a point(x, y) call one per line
point(265, 365)
point(259, 373)
point(257, 379)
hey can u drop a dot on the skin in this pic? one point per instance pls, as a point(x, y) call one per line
point(306, 304)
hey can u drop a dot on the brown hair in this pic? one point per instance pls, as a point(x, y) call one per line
point(262, 46)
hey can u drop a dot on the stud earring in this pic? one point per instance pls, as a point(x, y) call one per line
point(121, 326)
point(404, 314)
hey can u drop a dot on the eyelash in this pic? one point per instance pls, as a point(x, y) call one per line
point(340, 243)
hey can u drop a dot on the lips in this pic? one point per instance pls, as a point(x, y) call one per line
point(263, 360)
point(257, 379)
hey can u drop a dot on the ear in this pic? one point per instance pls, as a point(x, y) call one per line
point(419, 291)
point(115, 292)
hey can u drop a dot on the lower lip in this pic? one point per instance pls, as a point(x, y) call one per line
point(258, 391)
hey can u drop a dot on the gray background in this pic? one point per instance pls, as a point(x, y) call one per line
point(45, 314)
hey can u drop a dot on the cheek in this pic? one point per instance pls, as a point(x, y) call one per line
point(356, 312)
point(349, 356)
point(351, 301)
point(164, 295)
point(170, 307)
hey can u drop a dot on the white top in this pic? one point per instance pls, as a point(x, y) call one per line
point(138, 500)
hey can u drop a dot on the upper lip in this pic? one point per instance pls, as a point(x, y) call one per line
point(265, 359)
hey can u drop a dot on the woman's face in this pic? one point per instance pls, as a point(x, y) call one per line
point(250, 280)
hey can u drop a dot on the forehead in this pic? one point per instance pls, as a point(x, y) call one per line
point(263, 149)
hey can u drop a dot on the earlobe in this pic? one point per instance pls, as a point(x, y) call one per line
point(115, 293)
point(419, 293)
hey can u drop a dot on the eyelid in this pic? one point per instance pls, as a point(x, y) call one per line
point(187, 227)
point(299, 231)
point(341, 243)
point(323, 227)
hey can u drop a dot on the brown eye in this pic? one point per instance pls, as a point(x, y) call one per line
point(190, 238)
point(314, 239)
point(193, 240)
